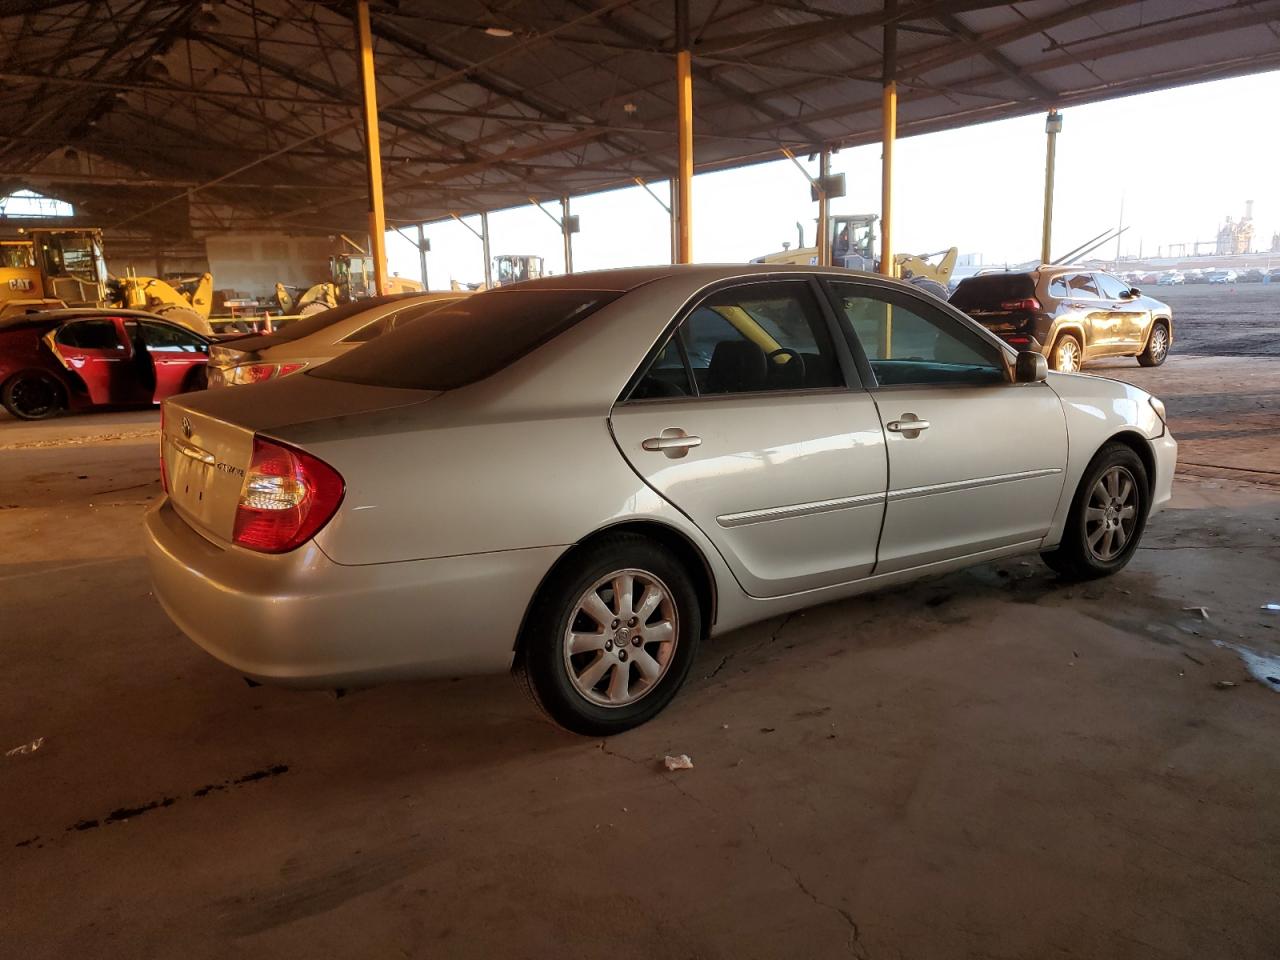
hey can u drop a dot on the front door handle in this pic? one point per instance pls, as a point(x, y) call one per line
point(673, 442)
point(909, 426)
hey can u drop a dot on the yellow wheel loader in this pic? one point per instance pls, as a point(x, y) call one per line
point(46, 269)
point(853, 245)
point(350, 278)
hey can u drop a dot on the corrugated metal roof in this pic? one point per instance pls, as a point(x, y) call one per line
point(131, 108)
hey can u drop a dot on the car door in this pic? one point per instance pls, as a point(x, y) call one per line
point(975, 461)
point(751, 420)
point(174, 351)
point(1128, 316)
point(95, 349)
point(1094, 314)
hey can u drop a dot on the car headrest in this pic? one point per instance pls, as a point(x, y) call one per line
point(737, 366)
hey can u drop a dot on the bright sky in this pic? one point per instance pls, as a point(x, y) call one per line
point(1180, 160)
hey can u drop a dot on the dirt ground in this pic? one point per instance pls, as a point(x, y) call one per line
point(990, 764)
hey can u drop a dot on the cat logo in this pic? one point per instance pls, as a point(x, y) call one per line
point(20, 283)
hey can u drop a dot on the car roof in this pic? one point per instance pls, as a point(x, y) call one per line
point(54, 317)
point(624, 279)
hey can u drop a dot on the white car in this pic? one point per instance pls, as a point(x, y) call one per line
point(583, 477)
point(318, 338)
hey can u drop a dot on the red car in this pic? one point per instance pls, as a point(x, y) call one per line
point(74, 359)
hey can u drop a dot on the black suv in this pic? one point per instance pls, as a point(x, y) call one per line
point(1070, 314)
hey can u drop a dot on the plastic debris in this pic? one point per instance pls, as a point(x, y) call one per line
point(1271, 607)
point(1224, 684)
point(681, 762)
point(1204, 613)
point(26, 748)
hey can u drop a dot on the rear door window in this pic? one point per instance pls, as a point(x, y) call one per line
point(1083, 286)
point(751, 338)
point(90, 335)
point(164, 337)
point(1058, 288)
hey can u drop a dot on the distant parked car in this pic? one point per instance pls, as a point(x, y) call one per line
point(1252, 276)
point(1221, 276)
point(315, 339)
point(1171, 278)
point(1070, 314)
point(1196, 276)
point(76, 359)
point(1273, 276)
point(1150, 278)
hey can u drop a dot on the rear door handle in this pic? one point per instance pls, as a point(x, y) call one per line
point(673, 442)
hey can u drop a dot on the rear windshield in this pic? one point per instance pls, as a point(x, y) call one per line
point(298, 329)
point(467, 341)
point(989, 291)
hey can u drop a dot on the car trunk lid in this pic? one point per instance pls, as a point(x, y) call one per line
point(207, 438)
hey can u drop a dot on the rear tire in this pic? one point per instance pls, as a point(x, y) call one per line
point(1067, 354)
point(33, 395)
point(1157, 348)
point(1107, 518)
point(598, 661)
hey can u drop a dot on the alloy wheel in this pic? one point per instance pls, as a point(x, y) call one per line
point(621, 638)
point(1159, 345)
point(34, 396)
point(1068, 356)
point(1112, 513)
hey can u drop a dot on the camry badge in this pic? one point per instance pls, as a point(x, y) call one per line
point(186, 428)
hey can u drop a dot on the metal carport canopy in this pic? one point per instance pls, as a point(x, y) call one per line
point(244, 114)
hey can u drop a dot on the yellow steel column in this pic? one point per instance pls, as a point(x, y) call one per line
point(824, 231)
point(1052, 126)
point(890, 117)
point(373, 159)
point(684, 135)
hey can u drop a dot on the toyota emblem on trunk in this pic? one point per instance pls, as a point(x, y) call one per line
point(186, 428)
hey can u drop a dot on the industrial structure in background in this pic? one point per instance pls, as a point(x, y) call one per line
point(1236, 237)
point(352, 276)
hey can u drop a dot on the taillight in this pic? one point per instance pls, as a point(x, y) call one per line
point(258, 372)
point(164, 471)
point(1017, 340)
point(287, 496)
point(1030, 303)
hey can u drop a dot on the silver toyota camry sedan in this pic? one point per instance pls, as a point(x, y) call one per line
point(582, 478)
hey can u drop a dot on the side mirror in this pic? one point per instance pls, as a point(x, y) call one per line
point(1030, 367)
point(1135, 292)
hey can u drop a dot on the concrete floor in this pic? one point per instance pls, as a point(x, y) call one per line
point(991, 764)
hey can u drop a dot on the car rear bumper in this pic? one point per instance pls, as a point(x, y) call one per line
point(301, 619)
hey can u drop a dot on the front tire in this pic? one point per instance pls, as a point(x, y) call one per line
point(611, 636)
point(1107, 518)
point(1157, 348)
point(33, 395)
point(1067, 354)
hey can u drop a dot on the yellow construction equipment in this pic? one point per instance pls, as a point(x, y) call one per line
point(853, 244)
point(46, 269)
point(350, 278)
